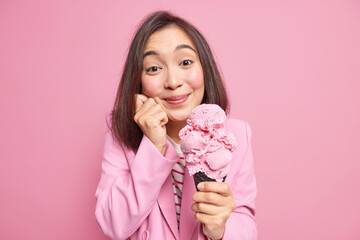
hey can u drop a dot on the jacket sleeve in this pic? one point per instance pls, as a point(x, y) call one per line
point(241, 224)
point(130, 184)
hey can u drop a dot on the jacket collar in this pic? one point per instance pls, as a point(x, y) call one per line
point(187, 219)
point(167, 205)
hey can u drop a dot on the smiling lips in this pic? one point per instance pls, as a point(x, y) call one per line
point(177, 99)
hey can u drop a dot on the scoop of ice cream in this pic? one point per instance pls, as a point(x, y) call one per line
point(194, 146)
point(218, 159)
point(218, 175)
point(205, 143)
point(207, 117)
point(193, 140)
point(215, 164)
point(228, 141)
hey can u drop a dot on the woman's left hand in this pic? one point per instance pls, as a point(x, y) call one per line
point(213, 206)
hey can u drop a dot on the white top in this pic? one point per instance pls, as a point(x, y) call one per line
point(177, 175)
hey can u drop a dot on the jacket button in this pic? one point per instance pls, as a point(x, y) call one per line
point(145, 235)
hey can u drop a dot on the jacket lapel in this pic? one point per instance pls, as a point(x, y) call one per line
point(187, 220)
point(167, 205)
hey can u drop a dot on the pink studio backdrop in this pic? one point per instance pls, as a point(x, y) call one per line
point(292, 69)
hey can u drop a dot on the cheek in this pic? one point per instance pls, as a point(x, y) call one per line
point(151, 87)
point(195, 78)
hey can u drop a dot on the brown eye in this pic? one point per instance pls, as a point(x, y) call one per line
point(186, 62)
point(152, 69)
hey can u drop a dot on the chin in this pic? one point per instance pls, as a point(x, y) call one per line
point(179, 116)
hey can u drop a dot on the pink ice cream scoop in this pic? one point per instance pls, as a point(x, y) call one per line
point(206, 145)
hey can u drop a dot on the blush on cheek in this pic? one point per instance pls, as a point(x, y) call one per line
point(195, 79)
point(150, 88)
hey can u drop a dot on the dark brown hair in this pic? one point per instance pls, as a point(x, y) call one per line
point(123, 126)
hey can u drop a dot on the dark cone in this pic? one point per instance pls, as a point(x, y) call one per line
point(202, 177)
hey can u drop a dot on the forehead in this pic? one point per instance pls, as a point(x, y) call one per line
point(170, 36)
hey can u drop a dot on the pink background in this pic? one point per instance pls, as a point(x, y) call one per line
point(292, 70)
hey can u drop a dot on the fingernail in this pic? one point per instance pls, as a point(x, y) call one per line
point(201, 186)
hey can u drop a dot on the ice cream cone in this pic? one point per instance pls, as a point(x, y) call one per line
point(206, 144)
point(202, 177)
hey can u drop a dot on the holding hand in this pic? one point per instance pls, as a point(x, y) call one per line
point(213, 206)
point(151, 117)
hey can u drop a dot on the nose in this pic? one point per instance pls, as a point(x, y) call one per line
point(173, 80)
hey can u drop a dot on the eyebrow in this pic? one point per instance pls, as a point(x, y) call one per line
point(179, 47)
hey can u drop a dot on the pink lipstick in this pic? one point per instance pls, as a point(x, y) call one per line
point(177, 99)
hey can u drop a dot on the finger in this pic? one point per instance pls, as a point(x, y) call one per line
point(151, 114)
point(208, 197)
point(150, 108)
point(156, 114)
point(158, 101)
point(164, 119)
point(145, 106)
point(206, 208)
point(201, 217)
point(216, 187)
point(140, 99)
point(207, 219)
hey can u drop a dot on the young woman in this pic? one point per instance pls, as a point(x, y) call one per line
point(145, 191)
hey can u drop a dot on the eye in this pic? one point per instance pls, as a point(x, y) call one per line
point(153, 69)
point(186, 62)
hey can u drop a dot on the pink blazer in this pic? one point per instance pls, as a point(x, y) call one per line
point(135, 198)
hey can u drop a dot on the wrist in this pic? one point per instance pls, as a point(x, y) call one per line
point(162, 149)
point(212, 234)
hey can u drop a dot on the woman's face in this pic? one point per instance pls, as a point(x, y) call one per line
point(172, 72)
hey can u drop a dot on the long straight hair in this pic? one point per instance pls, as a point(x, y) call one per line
point(123, 126)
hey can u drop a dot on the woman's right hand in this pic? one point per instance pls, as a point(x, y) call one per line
point(151, 117)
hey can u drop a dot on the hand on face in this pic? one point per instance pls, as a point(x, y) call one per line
point(213, 206)
point(151, 117)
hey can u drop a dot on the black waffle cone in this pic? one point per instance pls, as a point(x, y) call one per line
point(202, 177)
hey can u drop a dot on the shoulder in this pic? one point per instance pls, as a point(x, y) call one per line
point(242, 156)
point(240, 128)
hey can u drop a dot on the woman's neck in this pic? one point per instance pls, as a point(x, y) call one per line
point(173, 129)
